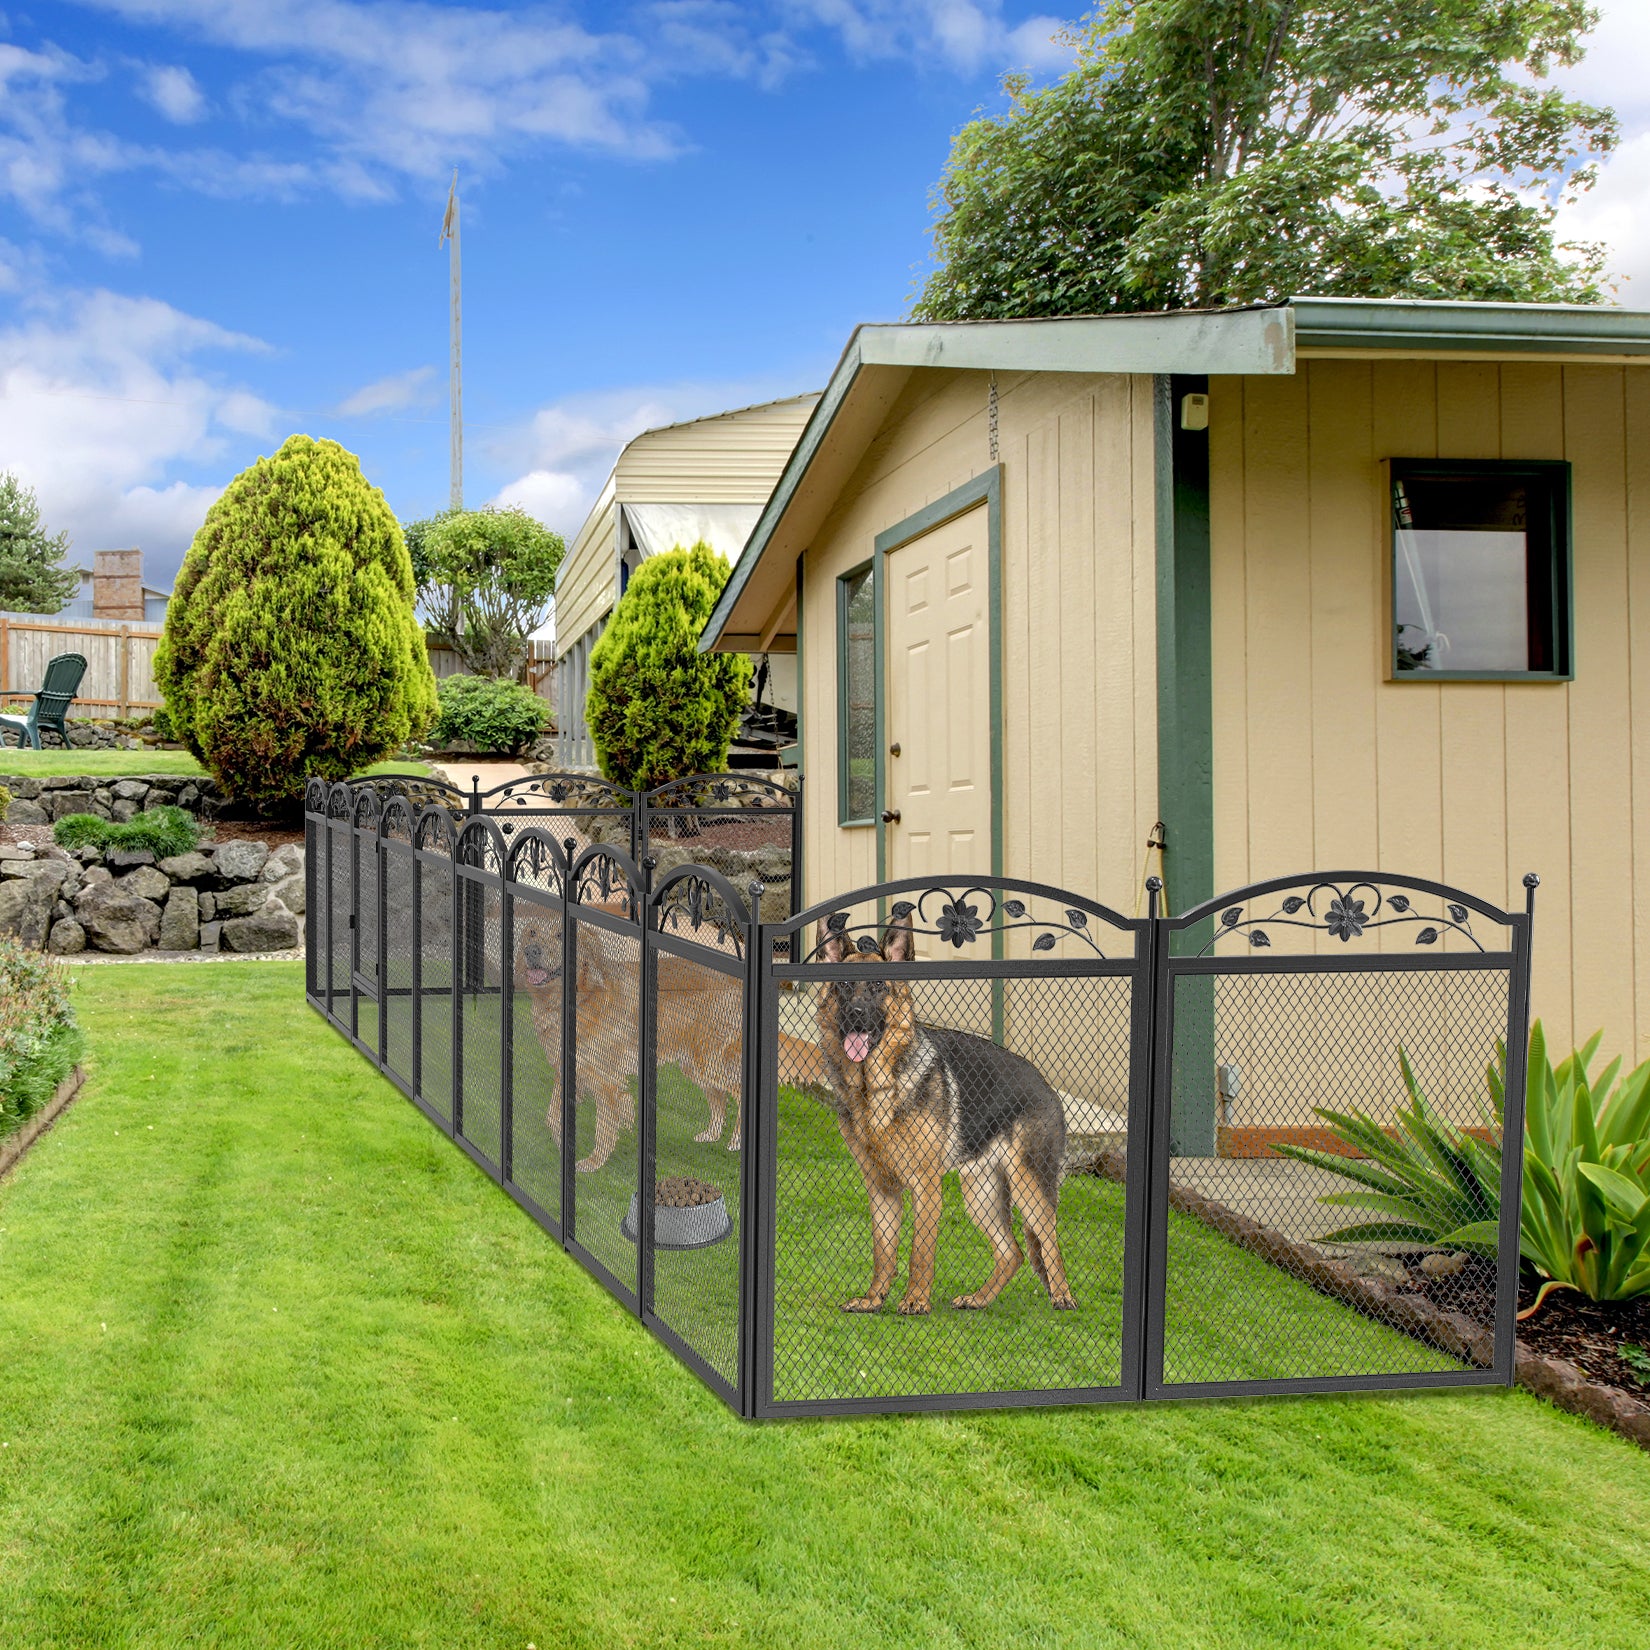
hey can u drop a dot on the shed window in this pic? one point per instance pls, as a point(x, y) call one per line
point(856, 698)
point(1480, 570)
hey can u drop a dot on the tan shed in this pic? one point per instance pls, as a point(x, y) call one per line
point(1331, 583)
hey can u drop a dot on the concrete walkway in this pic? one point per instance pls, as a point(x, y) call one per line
point(488, 774)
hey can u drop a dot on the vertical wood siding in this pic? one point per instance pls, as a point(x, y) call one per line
point(1320, 761)
point(1078, 617)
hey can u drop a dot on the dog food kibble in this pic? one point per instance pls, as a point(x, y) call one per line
point(684, 1192)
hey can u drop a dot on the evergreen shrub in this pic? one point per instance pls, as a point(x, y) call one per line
point(488, 712)
point(658, 709)
point(291, 649)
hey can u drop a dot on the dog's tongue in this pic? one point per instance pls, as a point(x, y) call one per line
point(856, 1045)
point(537, 976)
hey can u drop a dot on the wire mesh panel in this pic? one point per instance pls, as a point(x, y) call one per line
point(698, 936)
point(537, 953)
point(479, 944)
point(1331, 1172)
point(314, 904)
point(366, 815)
point(949, 1151)
point(607, 990)
point(575, 808)
point(433, 908)
point(740, 825)
point(341, 923)
point(396, 1000)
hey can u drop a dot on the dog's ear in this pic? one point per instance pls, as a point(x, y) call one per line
point(833, 944)
point(899, 944)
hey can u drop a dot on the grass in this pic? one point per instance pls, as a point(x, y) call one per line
point(283, 1368)
point(51, 764)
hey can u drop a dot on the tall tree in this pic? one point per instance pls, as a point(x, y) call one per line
point(1208, 152)
point(32, 576)
point(485, 578)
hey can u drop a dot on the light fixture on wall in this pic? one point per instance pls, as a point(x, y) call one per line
point(1194, 412)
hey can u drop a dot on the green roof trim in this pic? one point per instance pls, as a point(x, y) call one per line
point(1441, 325)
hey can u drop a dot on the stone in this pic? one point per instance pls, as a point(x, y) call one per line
point(190, 867)
point(67, 937)
point(1443, 1265)
point(116, 920)
point(147, 882)
point(189, 797)
point(65, 802)
point(283, 862)
point(122, 811)
point(127, 859)
point(131, 790)
point(241, 900)
point(51, 873)
point(102, 796)
point(19, 786)
point(64, 782)
point(26, 910)
point(180, 921)
point(25, 850)
point(240, 861)
point(290, 893)
point(1381, 1266)
point(23, 812)
point(89, 855)
point(62, 911)
point(209, 906)
point(95, 874)
point(268, 930)
point(211, 936)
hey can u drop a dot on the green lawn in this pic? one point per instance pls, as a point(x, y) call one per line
point(282, 1368)
point(49, 764)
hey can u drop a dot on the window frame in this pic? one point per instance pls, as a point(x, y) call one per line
point(868, 569)
point(1554, 476)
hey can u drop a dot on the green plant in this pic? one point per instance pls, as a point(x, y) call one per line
point(164, 832)
point(160, 723)
point(487, 579)
point(491, 713)
point(39, 1039)
point(5, 803)
point(1427, 1181)
point(1209, 152)
point(1586, 1218)
point(658, 709)
point(291, 648)
point(1637, 1359)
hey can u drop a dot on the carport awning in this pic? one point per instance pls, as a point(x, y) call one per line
point(655, 528)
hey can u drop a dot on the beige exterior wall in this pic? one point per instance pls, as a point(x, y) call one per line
point(585, 581)
point(1319, 760)
point(733, 459)
point(1078, 617)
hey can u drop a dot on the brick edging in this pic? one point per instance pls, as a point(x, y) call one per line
point(1561, 1383)
point(14, 1146)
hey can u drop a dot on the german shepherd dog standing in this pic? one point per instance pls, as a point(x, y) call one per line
point(699, 1018)
point(915, 1102)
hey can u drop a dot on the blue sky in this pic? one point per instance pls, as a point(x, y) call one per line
point(218, 224)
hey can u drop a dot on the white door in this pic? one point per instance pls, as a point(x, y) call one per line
point(938, 722)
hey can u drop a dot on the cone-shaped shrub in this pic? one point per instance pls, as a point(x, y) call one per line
point(291, 647)
point(658, 708)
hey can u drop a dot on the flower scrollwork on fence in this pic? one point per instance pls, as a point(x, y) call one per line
point(966, 916)
point(695, 908)
point(1344, 913)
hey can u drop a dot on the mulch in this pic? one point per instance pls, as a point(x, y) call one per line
point(252, 830)
point(1588, 1334)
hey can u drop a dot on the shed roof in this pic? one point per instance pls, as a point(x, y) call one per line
point(1270, 338)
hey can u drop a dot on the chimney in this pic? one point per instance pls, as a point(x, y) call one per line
point(117, 584)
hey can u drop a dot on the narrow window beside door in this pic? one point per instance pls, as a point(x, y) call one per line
point(856, 699)
point(1480, 570)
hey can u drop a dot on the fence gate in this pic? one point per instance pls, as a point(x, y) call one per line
point(949, 1142)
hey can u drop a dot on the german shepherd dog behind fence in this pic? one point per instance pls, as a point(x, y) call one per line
point(916, 1101)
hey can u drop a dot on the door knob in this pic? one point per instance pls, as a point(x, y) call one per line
point(890, 816)
point(893, 749)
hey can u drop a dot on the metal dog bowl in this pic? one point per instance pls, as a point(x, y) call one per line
point(696, 1227)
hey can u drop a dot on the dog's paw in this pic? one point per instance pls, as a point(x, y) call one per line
point(970, 1303)
point(863, 1303)
point(704, 1136)
point(589, 1165)
point(1063, 1303)
point(913, 1308)
point(733, 1144)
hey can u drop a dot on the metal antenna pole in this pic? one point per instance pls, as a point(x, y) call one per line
point(449, 235)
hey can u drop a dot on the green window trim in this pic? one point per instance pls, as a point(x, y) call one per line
point(1554, 478)
point(866, 576)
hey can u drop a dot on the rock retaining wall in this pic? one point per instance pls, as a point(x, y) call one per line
point(237, 896)
point(40, 801)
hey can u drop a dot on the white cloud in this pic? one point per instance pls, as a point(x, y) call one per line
point(174, 92)
point(389, 395)
point(102, 397)
point(965, 35)
point(556, 498)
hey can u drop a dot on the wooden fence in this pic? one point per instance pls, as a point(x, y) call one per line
point(119, 678)
point(120, 659)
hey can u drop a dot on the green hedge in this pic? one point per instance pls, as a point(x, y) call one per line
point(39, 1040)
point(489, 712)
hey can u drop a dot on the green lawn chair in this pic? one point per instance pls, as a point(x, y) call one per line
point(51, 704)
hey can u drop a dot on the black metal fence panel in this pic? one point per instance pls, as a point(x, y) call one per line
point(949, 1142)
